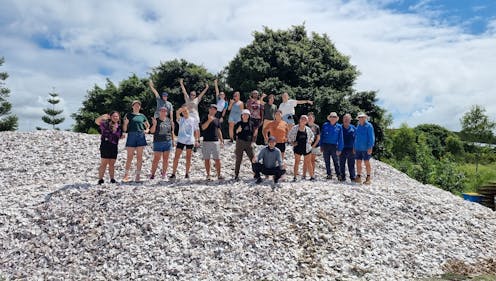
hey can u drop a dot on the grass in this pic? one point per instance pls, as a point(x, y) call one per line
point(487, 173)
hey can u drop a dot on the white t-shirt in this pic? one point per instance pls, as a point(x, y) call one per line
point(288, 107)
point(192, 105)
point(187, 128)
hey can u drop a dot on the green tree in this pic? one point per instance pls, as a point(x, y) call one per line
point(51, 116)
point(436, 137)
point(476, 125)
point(477, 128)
point(307, 67)
point(8, 121)
point(404, 143)
point(165, 76)
point(454, 145)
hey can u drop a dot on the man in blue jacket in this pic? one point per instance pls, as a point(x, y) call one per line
point(331, 143)
point(364, 142)
point(347, 153)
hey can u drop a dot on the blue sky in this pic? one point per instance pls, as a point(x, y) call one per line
point(429, 60)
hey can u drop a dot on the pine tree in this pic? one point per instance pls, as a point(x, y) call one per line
point(8, 121)
point(51, 116)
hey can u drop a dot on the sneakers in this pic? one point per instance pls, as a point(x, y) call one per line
point(152, 177)
point(312, 178)
point(208, 178)
point(358, 179)
point(112, 181)
point(367, 180)
point(276, 180)
point(100, 181)
point(172, 177)
point(259, 180)
point(341, 178)
point(329, 177)
point(295, 179)
point(186, 176)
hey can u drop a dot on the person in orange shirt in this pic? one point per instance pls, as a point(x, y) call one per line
point(278, 129)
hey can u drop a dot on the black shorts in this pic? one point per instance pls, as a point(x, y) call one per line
point(108, 150)
point(300, 150)
point(182, 145)
point(256, 123)
point(281, 146)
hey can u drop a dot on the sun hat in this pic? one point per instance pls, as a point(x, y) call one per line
point(214, 106)
point(135, 101)
point(245, 111)
point(361, 114)
point(333, 114)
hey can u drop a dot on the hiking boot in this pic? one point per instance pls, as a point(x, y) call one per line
point(367, 180)
point(259, 180)
point(100, 181)
point(112, 181)
point(358, 179)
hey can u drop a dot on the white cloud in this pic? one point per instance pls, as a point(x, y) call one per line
point(424, 72)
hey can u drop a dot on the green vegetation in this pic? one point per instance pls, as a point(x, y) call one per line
point(432, 154)
point(8, 121)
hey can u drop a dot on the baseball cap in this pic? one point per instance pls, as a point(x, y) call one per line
point(164, 94)
point(136, 101)
point(272, 138)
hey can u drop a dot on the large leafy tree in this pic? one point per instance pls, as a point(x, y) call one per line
point(166, 78)
point(307, 67)
point(476, 125)
point(8, 121)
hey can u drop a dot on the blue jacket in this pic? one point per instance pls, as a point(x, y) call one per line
point(332, 134)
point(364, 137)
point(349, 136)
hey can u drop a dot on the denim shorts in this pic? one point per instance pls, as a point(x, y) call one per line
point(162, 146)
point(362, 155)
point(135, 139)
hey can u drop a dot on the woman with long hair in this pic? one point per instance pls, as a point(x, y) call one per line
point(111, 132)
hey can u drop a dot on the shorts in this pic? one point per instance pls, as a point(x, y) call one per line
point(135, 139)
point(362, 155)
point(182, 145)
point(234, 118)
point(210, 150)
point(288, 118)
point(108, 150)
point(256, 123)
point(300, 150)
point(316, 151)
point(281, 146)
point(162, 146)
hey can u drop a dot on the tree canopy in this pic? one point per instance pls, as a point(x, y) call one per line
point(8, 121)
point(476, 125)
point(51, 116)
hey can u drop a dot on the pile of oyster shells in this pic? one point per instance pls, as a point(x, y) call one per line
point(56, 222)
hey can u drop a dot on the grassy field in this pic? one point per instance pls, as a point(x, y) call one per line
point(486, 174)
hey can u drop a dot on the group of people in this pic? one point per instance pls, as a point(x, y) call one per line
point(344, 143)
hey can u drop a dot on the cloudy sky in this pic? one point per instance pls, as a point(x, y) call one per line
point(429, 60)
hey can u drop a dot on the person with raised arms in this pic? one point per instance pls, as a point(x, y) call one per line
point(187, 137)
point(191, 100)
point(235, 108)
point(222, 105)
point(287, 107)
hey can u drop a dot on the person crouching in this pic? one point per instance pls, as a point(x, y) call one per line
point(269, 162)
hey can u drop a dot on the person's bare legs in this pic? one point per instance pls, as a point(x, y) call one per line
point(139, 161)
point(177, 154)
point(207, 167)
point(103, 165)
point(296, 166)
point(156, 158)
point(359, 170)
point(112, 169)
point(189, 152)
point(165, 163)
point(231, 130)
point(129, 160)
point(217, 167)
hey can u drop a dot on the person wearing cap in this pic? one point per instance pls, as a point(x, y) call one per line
point(301, 137)
point(287, 107)
point(279, 129)
point(161, 102)
point(136, 125)
point(268, 162)
point(220, 98)
point(212, 141)
point(315, 145)
point(245, 138)
point(163, 139)
point(188, 136)
point(364, 143)
point(256, 110)
point(235, 108)
point(191, 100)
point(331, 143)
point(347, 156)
